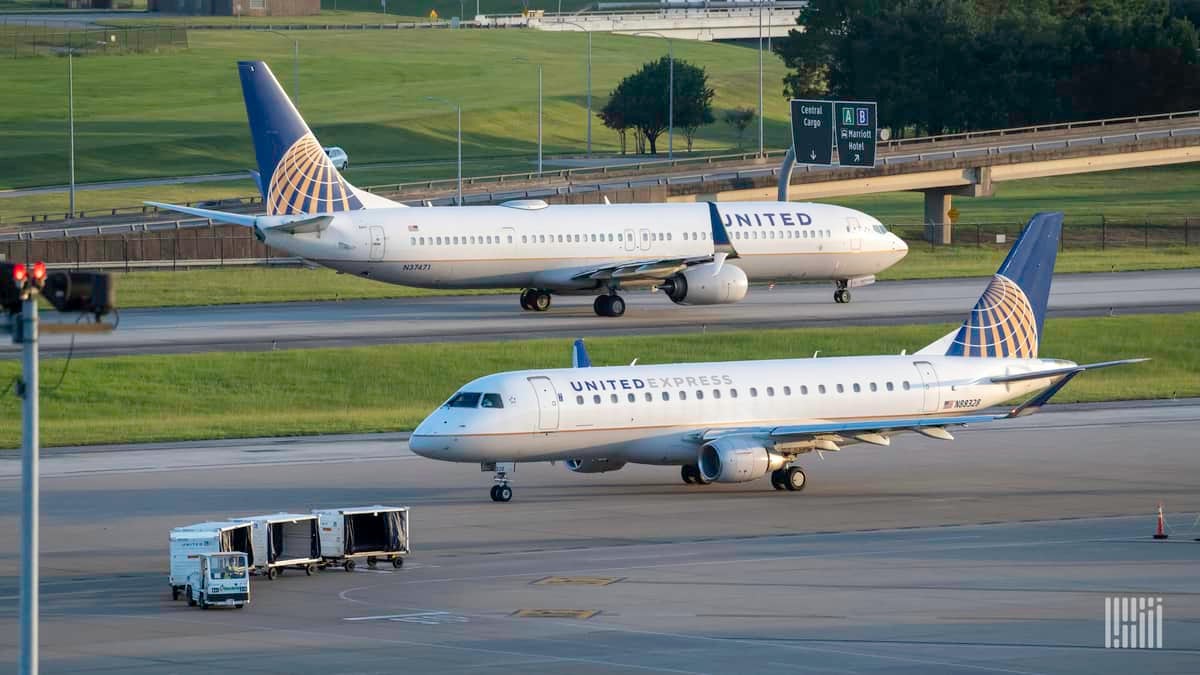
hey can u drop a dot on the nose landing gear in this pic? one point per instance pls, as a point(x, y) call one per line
point(501, 491)
point(842, 294)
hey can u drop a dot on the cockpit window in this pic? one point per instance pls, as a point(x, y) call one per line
point(491, 401)
point(881, 229)
point(463, 399)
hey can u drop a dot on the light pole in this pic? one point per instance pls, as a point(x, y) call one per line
point(760, 79)
point(71, 121)
point(458, 109)
point(589, 84)
point(670, 91)
point(521, 59)
point(295, 66)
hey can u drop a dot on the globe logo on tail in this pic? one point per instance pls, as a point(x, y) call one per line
point(1002, 324)
point(305, 182)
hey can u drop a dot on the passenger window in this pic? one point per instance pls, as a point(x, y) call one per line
point(666, 396)
point(632, 398)
point(841, 389)
point(716, 393)
point(510, 239)
point(649, 397)
point(439, 241)
point(753, 392)
point(787, 391)
point(733, 393)
point(422, 240)
point(804, 390)
point(456, 241)
point(683, 396)
point(472, 239)
point(618, 236)
point(579, 400)
point(873, 387)
point(463, 399)
point(412, 241)
point(905, 385)
point(890, 387)
point(494, 401)
point(596, 399)
point(541, 238)
point(685, 236)
point(699, 394)
point(821, 388)
point(770, 391)
point(857, 388)
point(614, 398)
point(523, 239)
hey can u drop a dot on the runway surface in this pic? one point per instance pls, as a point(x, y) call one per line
point(437, 319)
point(993, 553)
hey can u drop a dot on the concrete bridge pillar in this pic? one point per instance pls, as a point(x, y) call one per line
point(938, 228)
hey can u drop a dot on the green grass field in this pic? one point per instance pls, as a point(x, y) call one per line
point(140, 115)
point(215, 286)
point(149, 398)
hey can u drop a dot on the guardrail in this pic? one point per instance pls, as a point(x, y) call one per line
point(569, 176)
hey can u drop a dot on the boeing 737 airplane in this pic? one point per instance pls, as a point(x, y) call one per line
point(738, 421)
point(699, 254)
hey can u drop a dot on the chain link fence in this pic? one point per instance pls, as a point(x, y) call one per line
point(23, 40)
point(1097, 232)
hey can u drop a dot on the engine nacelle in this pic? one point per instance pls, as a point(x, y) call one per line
point(699, 286)
point(737, 459)
point(593, 465)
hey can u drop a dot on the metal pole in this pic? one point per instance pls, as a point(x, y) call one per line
point(29, 488)
point(760, 80)
point(71, 120)
point(671, 102)
point(460, 199)
point(589, 96)
point(296, 73)
point(539, 118)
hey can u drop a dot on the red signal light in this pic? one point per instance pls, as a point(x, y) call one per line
point(19, 273)
point(38, 274)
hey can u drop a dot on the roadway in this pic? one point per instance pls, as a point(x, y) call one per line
point(497, 317)
point(992, 553)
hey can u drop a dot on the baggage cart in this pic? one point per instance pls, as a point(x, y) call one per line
point(371, 532)
point(283, 540)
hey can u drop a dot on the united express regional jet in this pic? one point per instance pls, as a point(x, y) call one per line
point(739, 421)
point(699, 254)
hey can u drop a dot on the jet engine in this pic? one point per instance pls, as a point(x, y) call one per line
point(699, 285)
point(737, 459)
point(593, 465)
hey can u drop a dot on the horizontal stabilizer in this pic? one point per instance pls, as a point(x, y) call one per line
point(219, 216)
point(1042, 374)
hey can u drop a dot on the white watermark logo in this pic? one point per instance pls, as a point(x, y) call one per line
point(1133, 623)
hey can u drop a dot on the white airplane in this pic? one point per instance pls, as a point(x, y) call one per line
point(738, 421)
point(699, 254)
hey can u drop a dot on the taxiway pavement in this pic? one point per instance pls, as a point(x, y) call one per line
point(992, 553)
point(497, 317)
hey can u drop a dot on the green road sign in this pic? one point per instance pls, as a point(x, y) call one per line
point(856, 131)
point(812, 131)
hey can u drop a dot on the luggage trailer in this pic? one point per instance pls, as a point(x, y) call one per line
point(282, 540)
point(372, 532)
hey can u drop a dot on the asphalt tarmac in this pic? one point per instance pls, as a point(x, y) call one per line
point(498, 317)
point(992, 553)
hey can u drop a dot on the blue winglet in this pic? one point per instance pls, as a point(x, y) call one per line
point(579, 356)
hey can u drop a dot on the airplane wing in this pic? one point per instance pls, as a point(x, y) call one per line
point(830, 435)
point(649, 269)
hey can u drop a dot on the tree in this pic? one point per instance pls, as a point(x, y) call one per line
point(641, 101)
point(740, 119)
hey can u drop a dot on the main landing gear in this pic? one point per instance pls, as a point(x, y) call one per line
point(535, 300)
point(842, 294)
point(609, 305)
point(501, 491)
point(790, 478)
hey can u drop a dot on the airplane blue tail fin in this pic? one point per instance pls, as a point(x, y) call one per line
point(1007, 320)
point(295, 175)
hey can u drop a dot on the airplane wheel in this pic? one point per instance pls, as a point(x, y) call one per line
point(504, 493)
point(778, 479)
point(494, 489)
point(539, 301)
point(685, 472)
point(841, 296)
point(795, 480)
point(525, 301)
point(602, 305)
point(616, 306)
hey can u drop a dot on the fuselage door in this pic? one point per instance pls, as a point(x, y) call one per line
point(855, 232)
point(547, 398)
point(630, 242)
point(929, 385)
point(378, 242)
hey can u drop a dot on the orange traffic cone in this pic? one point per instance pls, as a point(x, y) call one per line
point(1160, 533)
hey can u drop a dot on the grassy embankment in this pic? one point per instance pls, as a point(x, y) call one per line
point(146, 398)
point(365, 91)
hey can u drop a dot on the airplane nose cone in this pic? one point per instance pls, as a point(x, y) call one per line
point(900, 244)
point(421, 444)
